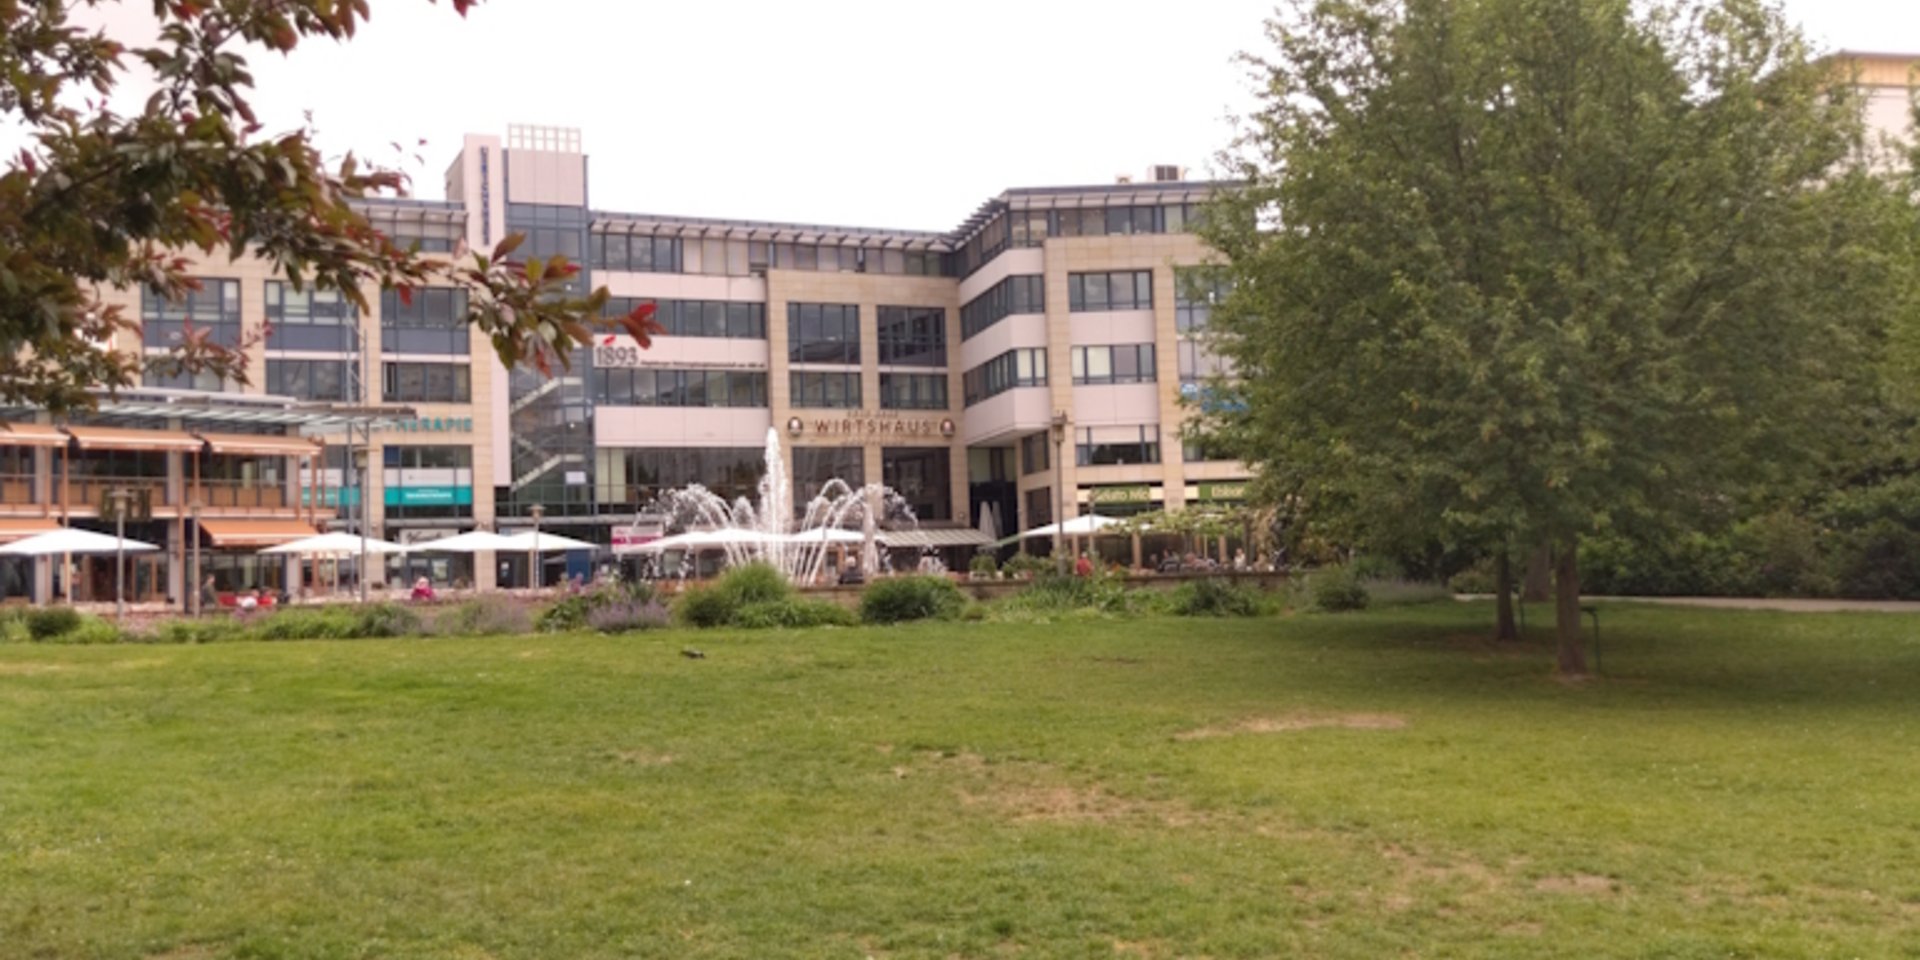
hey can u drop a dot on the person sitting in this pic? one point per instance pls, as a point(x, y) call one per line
point(1083, 567)
point(851, 574)
point(249, 602)
point(423, 590)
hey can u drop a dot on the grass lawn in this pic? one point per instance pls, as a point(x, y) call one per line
point(1367, 786)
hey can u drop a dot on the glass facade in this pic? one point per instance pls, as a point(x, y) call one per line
point(1026, 367)
point(1126, 363)
point(921, 476)
point(1036, 453)
point(1195, 292)
point(823, 333)
point(1113, 290)
point(680, 388)
point(824, 389)
point(912, 336)
point(426, 383)
point(1107, 446)
point(213, 308)
point(913, 391)
point(813, 467)
point(319, 381)
point(431, 320)
point(1020, 294)
point(731, 319)
point(633, 478)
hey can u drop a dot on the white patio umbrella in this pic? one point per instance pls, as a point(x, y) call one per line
point(1077, 527)
point(831, 535)
point(473, 541)
point(543, 543)
point(68, 540)
point(335, 544)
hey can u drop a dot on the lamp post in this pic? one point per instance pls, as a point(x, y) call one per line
point(193, 582)
point(362, 464)
point(537, 511)
point(119, 496)
point(1059, 488)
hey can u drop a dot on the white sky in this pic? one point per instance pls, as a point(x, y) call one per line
point(896, 113)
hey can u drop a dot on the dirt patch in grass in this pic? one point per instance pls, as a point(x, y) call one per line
point(643, 758)
point(1299, 721)
point(1588, 884)
point(1025, 791)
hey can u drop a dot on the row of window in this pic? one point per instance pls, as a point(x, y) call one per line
point(427, 383)
point(1124, 363)
point(912, 336)
point(1113, 448)
point(1112, 290)
point(732, 319)
point(1026, 293)
point(633, 253)
point(1030, 228)
point(913, 391)
point(830, 389)
point(403, 457)
point(1195, 293)
point(680, 388)
point(1025, 367)
point(823, 333)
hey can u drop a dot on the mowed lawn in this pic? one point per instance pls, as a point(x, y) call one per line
point(1366, 786)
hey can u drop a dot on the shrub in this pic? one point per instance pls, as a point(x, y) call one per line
point(1052, 594)
point(13, 627)
point(755, 583)
point(339, 623)
point(705, 606)
point(1336, 589)
point(574, 612)
point(1213, 597)
point(983, 565)
point(484, 616)
point(793, 612)
point(203, 630)
point(52, 623)
point(1027, 563)
point(93, 630)
point(627, 616)
point(897, 599)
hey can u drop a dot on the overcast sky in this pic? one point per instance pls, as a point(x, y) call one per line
point(898, 113)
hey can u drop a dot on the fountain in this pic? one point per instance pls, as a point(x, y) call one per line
point(769, 530)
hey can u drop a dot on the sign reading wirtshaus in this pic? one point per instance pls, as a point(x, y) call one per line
point(861, 425)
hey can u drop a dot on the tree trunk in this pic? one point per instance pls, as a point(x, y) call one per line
point(1538, 585)
point(1566, 583)
point(1504, 629)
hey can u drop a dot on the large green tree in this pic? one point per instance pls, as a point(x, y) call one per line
point(1517, 271)
point(99, 199)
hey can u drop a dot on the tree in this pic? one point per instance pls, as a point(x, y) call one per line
point(101, 200)
point(1510, 272)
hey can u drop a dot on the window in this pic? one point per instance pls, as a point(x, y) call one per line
point(1199, 362)
point(1127, 363)
point(427, 383)
point(637, 477)
point(913, 391)
point(287, 306)
point(313, 380)
point(1195, 293)
point(213, 308)
point(1021, 294)
point(1039, 507)
point(830, 389)
point(1026, 367)
point(432, 320)
point(1202, 449)
point(203, 380)
point(427, 481)
point(1119, 290)
point(422, 243)
point(815, 467)
point(1102, 446)
point(913, 336)
point(635, 253)
point(680, 388)
point(823, 333)
point(1036, 453)
point(731, 319)
point(922, 477)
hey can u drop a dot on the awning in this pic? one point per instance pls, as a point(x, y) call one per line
point(935, 539)
point(15, 528)
point(260, 446)
point(255, 533)
point(33, 435)
point(121, 438)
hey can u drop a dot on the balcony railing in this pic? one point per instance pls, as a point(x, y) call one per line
point(16, 489)
point(83, 492)
point(240, 495)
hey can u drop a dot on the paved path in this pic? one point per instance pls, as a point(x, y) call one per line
point(1758, 603)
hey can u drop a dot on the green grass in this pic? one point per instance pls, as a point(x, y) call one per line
point(1743, 786)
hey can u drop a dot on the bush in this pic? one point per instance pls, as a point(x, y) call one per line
point(898, 599)
point(1027, 563)
point(93, 630)
point(52, 623)
point(754, 583)
point(627, 616)
point(793, 612)
point(484, 616)
point(574, 612)
point(203, 630)
point(1052, 594)
point(705, 606)
point(339, 623)
point(1336, 589)
point(983, 565)
point(1213, 597)
point(13, 627)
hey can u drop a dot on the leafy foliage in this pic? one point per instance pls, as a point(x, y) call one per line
point(1507, 271)
point(101, 200)
point(628, 615)
point(488, 615)
point(338, 623)
point(1214, 597)
point(897, 599)
point(1337, 590)
point(755, 595)
point(983, 564)
point(50, 623)
point(573, 612)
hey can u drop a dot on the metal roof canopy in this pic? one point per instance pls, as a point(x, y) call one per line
point(240, 408)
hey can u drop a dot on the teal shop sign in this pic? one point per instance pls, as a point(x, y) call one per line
point(433, 425)
point(335, 497)
point(429, 496)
